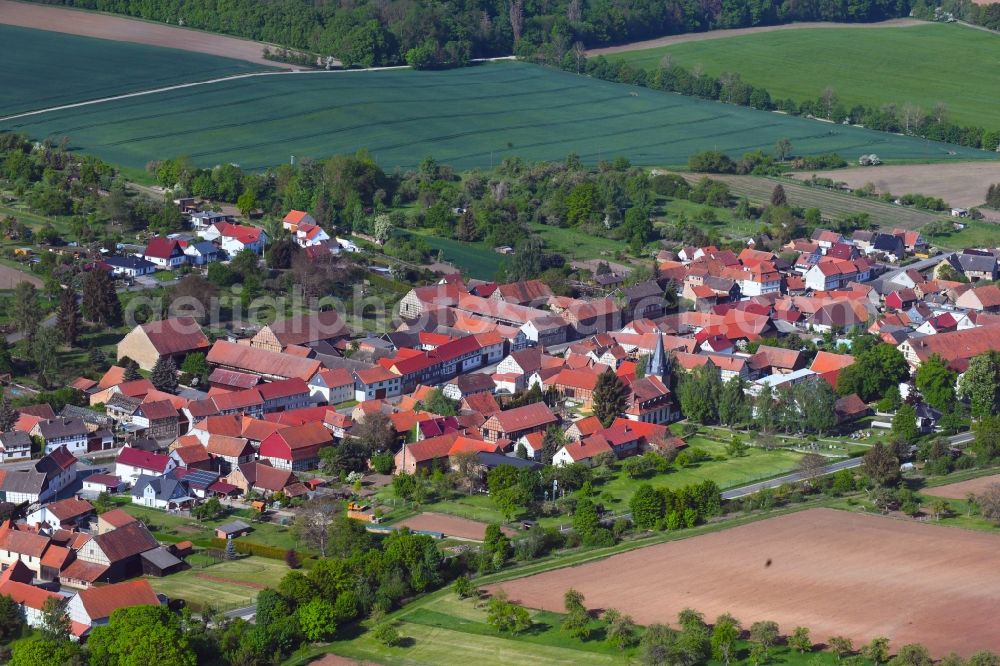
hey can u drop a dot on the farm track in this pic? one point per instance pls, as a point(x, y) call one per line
point(833, 205)
point(737, 32)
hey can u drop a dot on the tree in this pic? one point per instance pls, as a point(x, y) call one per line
point(140, 635)
point(881, 465)
point(610, 397)
point(436, 402)
point(192, 296)
point(131, 371)
point(980, 384)
point(913, 654)
point(783, 149)
point(647, 507)
point(577, 620)
point(506, 617)
point(8, 417)
point(586, 520)
point(778, 196)
point(986, 445)
point(877, 651)
point(230, 553)
point(386, 634)
point(55, 620)
point(552, 441)
point(811, 465)
point(840, 646)
point(247, 202)
point(904, 424)
point(800, 641)
point(376, 432)
point(621, 630)
point(312, 523)
point(68, 317)
point(989, 502)
point(195, 365)
point(874, 370)
point(463, 587)
point(725, 633)
point(42, 650)
point(936, 382)
point(45, 355)
point(292, 560)
point(99, 300)
point(764, 633)
point(164, 375)
point(318, 619)
point(11, 621)
point(281, 253)
point(699, 393)
point(25, 310)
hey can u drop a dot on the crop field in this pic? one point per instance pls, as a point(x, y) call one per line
point(832, 204)
point(962, 489)
point(835, 572)
point(45, 69)
point(470, 117)
point(922, 65)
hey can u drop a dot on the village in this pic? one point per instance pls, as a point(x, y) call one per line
point(509, 364)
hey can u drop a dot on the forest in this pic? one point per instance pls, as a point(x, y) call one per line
point(435, 33)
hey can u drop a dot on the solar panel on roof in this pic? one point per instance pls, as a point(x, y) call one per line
point(200, 478)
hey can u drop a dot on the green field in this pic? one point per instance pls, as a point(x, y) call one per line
point(471, 117)
point(616, 492)
point(44, 69)
point(921, 65)
point(242, 578)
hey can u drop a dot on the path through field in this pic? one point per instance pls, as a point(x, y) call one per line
point(122, 29)
point(736, 32)
point(452, 526)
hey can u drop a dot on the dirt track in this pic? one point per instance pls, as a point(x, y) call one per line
point(10, 277)
point(736, 32)
point(961, 184)
point(448, 525)
point(121, 29)
point(961, 489)
point(831, 571)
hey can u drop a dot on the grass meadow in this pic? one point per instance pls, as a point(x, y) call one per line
point(44, 69)
point(470, 118)
point(224, 585)
point(922, 65)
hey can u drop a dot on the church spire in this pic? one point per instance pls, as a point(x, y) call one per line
point(658, 362)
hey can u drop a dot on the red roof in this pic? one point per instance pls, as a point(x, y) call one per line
point(143, 459)
point(162, 248)
point(296, 442)
point(101, 602)
point(283, 388)
point(243, 234)
point(523, 418)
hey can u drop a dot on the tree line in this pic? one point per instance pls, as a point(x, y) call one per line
point(436, 33)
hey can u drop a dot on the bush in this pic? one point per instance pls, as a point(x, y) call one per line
point(383, 463)
point(386, 634)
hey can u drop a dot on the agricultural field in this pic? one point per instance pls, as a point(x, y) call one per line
point(469, 118)
point(962, 489)
point(832, 204)
point(223, 585)
point(958, 184)
point(835, 572)
point(46, 69)
point(921, 65)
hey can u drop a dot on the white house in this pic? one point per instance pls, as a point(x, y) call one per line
point(332, 386)
point(308, 235)
point(201, 253)
point(233, 238)
point(14, 445)
point(71, 433)
point(159, 492)
point(376, 383)
point(347, 245)
point(93, 606)
point(130, 266)
point(42, 480)
point(132, 463)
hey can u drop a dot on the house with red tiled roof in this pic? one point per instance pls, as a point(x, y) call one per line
point(980, 299)
point(583, 451)
point(512, 424)
point(261, 477)
point(526, 292)
point(828, 365)
point(376, 383)
point(164, 253)
point(65, 513)
point(577, 385)
point(93, 607)
point(437, 451)
point(234, 238)
point(297, 447)
point(15, 583)
point(650, 401)
point(174, 338)
point(23, 546)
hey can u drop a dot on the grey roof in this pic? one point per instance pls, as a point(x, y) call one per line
point(491, 460)
point(205, 247)
point(88, 415)
point(888, 243)
point(165, 487)
point(974, 262)
point(146, 444)
point(129, 262)
point(62, 427)
point(26, 481)
point(647, 289)
point(123, 402)
point(161, 558)
point(15, 439)
point(474, 382)
point(233, 527)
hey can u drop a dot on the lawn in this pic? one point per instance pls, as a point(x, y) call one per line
point(477, 260)
point(44, 69)
point(576, 245)
point(469, 118)
point(920, 65)
point(975, 234)
point(615, 493)
point(223, 585)
point(172, 527)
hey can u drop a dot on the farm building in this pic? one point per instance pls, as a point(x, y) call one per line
point(174, 338)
